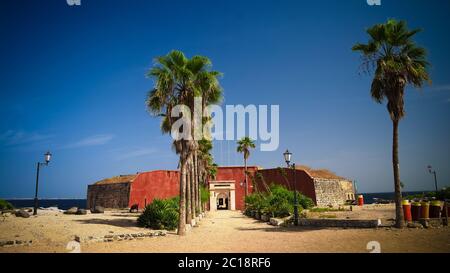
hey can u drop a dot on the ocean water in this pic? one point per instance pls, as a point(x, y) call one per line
point(81, 203)
point(369, 197)
point(60, 203)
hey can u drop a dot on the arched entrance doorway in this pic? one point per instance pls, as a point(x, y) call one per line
point(222, 195)
point(222, 201)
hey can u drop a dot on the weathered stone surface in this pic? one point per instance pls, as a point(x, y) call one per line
point(81, 212)
point(339, 223)
point(332, 192)
point(72, 210)
point(98, 209)
point(22, 213)
point(414, 225)
point(257, 216)
point(114, 195)
point(276, 221)
point(265, 218)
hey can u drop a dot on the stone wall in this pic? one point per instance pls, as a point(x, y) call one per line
point(115, 195)
point(333, 192)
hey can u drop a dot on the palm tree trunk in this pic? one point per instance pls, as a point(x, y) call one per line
point(188, 194)
point(246, 184)
point(399, 222)
point(197, 182)
point(193, 201)
point(182, 214)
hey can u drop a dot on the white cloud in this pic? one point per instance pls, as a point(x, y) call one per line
point(94, 140)
point(136, 153)
point(14, 138)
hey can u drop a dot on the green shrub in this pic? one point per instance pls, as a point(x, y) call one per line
point(204, 194)
point(305, 201)
point(440, 195)
point(160, 214)
point(278, 202)
point(5, 205)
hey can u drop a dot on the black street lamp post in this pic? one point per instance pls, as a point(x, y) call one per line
point(48, 156)
point(287, 158)
point(430, 170)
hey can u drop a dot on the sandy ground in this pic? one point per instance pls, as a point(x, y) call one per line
point(223, 231)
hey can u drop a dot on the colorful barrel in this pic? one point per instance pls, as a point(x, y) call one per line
point(435, 209)
point(360, 200)
point(415, 211)
point(425, 211)
point(448, 210)
point(407, 210)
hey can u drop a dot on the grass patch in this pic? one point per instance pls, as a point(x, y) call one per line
point(5, 205)
point(325, 209)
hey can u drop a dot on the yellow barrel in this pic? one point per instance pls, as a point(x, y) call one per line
point(425, 211)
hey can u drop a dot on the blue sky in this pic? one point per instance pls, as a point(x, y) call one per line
point(72, 82)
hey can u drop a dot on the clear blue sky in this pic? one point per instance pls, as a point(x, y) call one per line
point(72, 81)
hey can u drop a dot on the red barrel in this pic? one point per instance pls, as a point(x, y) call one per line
point(360, 200)
point(425, 211)
point(407, 210)
point(415, 211)
point(435, 209)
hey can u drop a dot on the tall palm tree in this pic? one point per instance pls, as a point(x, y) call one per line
point(179, 80)
point(244, 146)
point(173, 86)
point(397, 61)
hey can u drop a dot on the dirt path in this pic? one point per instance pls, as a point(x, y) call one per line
point(228, 231)
point(223, 231)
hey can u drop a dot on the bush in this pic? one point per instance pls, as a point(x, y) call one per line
point(204, 194)
point(279, 202)
point(305, 201)
point(440, 195)
point(5, 205)
point(160, 214)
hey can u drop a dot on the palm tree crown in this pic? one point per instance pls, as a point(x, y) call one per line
point(244, 146)
point(397, 61)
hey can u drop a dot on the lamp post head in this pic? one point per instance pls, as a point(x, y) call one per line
point(287, 156)
point(430, 169)
point(48, 157)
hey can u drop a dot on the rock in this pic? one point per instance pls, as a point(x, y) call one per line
point(81, 212)
point(276, 221)
point(72, 210)
point(6, 214)
point(265, 218)
point(22, 213)
point(414, 225)
point(77, 238)
point(134, 208)
point(98, 209)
